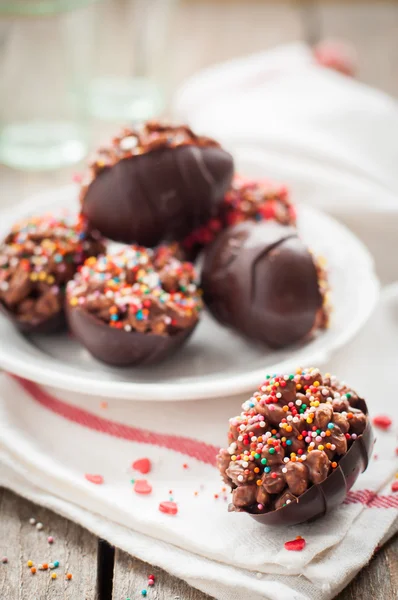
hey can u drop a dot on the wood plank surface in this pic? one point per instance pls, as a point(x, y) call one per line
point(131, 577)
point(379, 579)
point(73, 547)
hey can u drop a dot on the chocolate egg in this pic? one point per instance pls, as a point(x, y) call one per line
point(136, 306)
point(37, 259)
point(261, 280)
point(154, 183)
point(246, 200)
point(290, 472)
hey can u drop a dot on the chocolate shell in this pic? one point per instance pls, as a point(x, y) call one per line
point(37, 259)
point(321, 498)
point(135, 306)
point(260, 279)
point(169, 183)
point(56, 323)
point(120, 348)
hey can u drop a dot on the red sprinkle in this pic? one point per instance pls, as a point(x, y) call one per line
point(295, 545)
point(97, 479)
point(394, 486)
point(185, 466)
point(141, 486)
point(143, 465)
point(169, 508)
point(382, 421)
point(77, 178)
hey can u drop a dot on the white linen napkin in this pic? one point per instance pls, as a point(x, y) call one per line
point(50, 440)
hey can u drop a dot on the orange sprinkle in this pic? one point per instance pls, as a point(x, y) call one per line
point(300, 437)
point(349, 415)
point(257, 470)
point(285, 408)
point(258, 482)
point(328, 433)
point(33, 570)
point(334, 465)
point(274, 431)
point(69, 576)
point(289, 428)
point(45, 566)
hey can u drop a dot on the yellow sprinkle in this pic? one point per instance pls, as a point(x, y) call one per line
point(233, 457)
point(73, 301)
point(50, 279)
point(298, 386)
point(33, 276)
point(30, 563)
point(42, 275)
point(316, 384)
point(53, 576)
point(321, 447)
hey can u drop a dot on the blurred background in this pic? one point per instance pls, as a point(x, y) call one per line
point(72, 70)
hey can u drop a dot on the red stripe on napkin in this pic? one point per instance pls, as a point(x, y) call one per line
point(203, 452)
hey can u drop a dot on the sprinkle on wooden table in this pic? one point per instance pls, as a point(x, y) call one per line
point(39, 526)
point(53, 576)
point(50, 539)
point(32, 521)
point(69, 576)
point(33, 570)
point(30, 563)
point(4, 560)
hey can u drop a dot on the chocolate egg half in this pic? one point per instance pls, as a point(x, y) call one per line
point(136, 306)
point(297, 448)
point(155, 183)
point(37, 259)
point(261, 280)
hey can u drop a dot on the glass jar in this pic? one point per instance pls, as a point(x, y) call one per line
point(131, 67)
point(45, 67)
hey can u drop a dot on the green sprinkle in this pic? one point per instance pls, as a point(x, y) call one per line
point(272, 450)
point(291, 377)
point(132, 480)
point(257, 455)
point(263, 461)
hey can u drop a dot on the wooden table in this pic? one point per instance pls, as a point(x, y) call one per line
point(203, 33)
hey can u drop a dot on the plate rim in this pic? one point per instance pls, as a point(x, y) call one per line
point(232, 385)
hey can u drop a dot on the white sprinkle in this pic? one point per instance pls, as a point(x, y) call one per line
point(128, 143)
point(278, 395)
point(240, 478)
point(262, 423)
point(51, 565)
point(259, 575)
point(288, 501)
point(40, 567)
point(303, 457)
point(245, 464)
point(325, 392)
point(39, 526)
point(289, 418)
point(240, 438)
point(333, 447)
point(296, 419)
point(32, 521)
point(299, 402)
point(323, 434)
point(253, 438)
point(242, 427)
point(127, 328)
point(284, 470)
point(286, 459)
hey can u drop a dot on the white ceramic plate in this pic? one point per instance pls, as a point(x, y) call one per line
point(216, 362)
